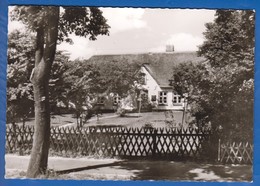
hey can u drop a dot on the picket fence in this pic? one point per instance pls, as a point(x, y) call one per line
point(113, 141)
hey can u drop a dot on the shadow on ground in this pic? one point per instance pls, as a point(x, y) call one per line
point(163, 170)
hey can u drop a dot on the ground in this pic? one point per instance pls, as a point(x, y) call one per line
point(115, 169)
point(156, 119)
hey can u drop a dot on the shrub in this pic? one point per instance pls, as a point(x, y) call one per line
point(121, 112)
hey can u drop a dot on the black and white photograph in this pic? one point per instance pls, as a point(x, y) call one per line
point(152, 94)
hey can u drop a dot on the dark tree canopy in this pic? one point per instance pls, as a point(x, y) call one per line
point(116, 76)
point(221, 89)
point(86, 80)
point(230, 39)
point(19, 88)
point(52, 25)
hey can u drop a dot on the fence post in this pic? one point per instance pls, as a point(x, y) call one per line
point(14, 137)
point(219, 149)
point(154, 147)
point(220, 130)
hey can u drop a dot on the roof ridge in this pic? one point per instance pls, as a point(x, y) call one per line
point(146, 53)
point(160, 64)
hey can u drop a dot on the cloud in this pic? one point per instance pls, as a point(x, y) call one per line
point(79, 49)
point(160, 48)
point(182, 42)
point(122, 19)
point(185, 42)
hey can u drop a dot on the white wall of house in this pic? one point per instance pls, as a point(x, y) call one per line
point(154, 90)
point(150, 84)
point(170, 105)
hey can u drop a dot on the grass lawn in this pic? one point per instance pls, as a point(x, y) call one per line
point(156, 119)
point(56, 120)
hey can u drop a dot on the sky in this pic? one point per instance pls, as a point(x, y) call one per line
point(141, 30)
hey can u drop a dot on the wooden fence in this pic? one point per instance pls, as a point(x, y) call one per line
point(128, 142)
point(113, 141)
point(236, 153)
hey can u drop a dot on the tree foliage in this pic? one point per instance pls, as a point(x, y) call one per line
point(82, 21)
point(122, 78)
point(85, 81)
point(221, 88)
point(79, 86)
point(57, 81)
point(51, 26)
point(117, 76)
point(19, 88)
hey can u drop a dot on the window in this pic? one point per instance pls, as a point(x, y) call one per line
point(163, 98)
point(171, 81)
point(101, 100)
point(117, 99)
point(143, 79)
point(176, 99)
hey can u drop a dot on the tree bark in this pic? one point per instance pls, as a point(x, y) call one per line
point(46, 41)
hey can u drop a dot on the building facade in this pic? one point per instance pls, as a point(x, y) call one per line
point(157, 70)
point(162, 97)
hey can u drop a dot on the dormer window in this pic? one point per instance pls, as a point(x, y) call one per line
point(143, 79)
point(171, 81)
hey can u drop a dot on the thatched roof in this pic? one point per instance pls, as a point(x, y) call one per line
point(160, 65)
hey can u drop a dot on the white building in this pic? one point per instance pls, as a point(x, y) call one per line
point(162, 96)
point(157, 69)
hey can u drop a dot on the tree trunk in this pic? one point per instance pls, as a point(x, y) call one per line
point(46, 41)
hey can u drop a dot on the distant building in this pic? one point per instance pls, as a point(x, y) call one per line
point(157, 69)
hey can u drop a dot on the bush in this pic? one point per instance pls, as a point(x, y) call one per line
point(121, 112)
point(148, 125)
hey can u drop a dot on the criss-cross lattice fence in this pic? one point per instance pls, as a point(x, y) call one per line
point(114, 141)
point(236, 153)
point(19, 139)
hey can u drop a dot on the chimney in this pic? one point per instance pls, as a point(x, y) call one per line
point(169, 48)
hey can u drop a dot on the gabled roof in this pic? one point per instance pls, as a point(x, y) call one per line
point(159, 65)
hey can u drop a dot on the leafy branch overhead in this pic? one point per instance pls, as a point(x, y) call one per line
point(82, 21)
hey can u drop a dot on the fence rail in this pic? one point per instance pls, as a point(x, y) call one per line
point(113, 141)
